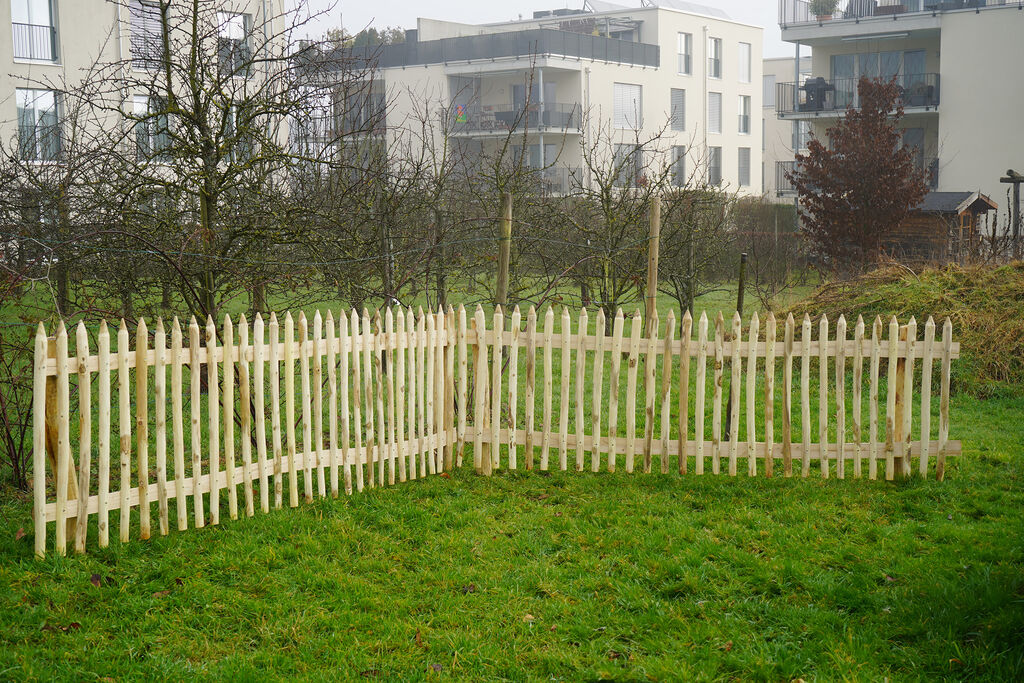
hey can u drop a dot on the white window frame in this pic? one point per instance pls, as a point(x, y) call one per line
point(714, 170)
point(714, 65)
point(677, 112)
point(28, 99)
point(745, 52)
point(715, 113)
point(24, 13)
point(627, 96)
point(145, 35)
point(743, 182)
point(744, 115)
point(684, 53)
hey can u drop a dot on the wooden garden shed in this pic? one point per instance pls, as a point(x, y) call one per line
point(941, 228)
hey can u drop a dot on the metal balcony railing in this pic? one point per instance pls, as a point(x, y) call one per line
point(820, 95)
point(534, 42)
point(553, 116)
point(33, 41)
point(560, 180)
point(783, 186)
point(797, 12)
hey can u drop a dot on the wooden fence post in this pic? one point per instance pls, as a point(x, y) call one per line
point(653, 250)
point(504, 250)
point(897, 414)
point(52, 431)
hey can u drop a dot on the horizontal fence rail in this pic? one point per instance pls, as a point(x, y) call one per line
point(394, 397)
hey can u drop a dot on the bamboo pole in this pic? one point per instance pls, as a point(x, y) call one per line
point(213, 405)
point(700, 391)
point(926, 395)
point(650, 390)
point(841, 397)
point(531, 384)
point(581, 366)
point(513, 386)
point(306, 408)
point(39, 442)
point(245, 413)
point(613, 389)
point(858, 404)
point(289, 408)
point(736, 372)
point(498, 322)
point(463, 386)
point(318, 402)
point(565, 359)
point(84, 436)
point(177, 427)
point(876, 333)
point(716, 406)
point(947, 352)
point(597, 392)
point(259, 408)
point(160, 402)
point(805, 396)
point(684, 390)
point(545, 442)
point(666, 389)
point(631, 377)
point(124, 428)
point(228, 415)
point(275, 410)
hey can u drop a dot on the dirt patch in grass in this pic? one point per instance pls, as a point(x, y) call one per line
point(985, 304)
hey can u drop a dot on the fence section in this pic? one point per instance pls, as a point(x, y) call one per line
point(403, 394)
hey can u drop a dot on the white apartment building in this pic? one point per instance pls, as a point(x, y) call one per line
point(569, 80)
point(958, 62)
point(783, 138)
point(55, 41)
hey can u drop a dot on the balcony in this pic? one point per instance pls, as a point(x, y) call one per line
point(33, 41)
point(476, 119)
point(560, 180)
point(511, 44)
point(819, 97)
point(783, 187)
point(801, 12)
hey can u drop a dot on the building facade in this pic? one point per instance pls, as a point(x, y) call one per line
point(783, 138)
point(571, 85)
point(957, 63)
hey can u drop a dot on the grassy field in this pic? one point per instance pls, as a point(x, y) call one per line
point(561, 576)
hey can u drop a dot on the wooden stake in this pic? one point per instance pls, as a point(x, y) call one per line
point(549, 324)
point(598, 391)
point(84, 436)
point(177, 426)
point(634, 356)
point(531, 384)
point(614, 384)
point(700, 391)
point(39, 384)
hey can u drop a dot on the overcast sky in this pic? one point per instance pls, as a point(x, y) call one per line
point(357, 14)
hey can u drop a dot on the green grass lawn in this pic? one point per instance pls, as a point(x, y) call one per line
point(558, 576)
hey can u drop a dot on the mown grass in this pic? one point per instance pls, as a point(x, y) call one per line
point(559, 576)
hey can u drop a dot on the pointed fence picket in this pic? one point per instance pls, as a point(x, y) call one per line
point(403, 392)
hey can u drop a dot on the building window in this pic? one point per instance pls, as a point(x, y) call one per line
point(744, 116)
point(34, 33)
point(714, 57)
point(678, 112)
point(628, 106)
point(145, 40)
point(152, 132)
point(714, 166)
point(744, 167)
point(679, 166)
point(685, 49)
point(714, 112)
point(361, 107)
point(744, 62)
point(38, 124)
point(234, 48)
point(768, 90)
point(629, 166)
point(801, 135)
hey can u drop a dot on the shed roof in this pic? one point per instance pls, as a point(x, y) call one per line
point(955, 202)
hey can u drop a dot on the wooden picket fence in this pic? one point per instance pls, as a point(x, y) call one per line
point(404, 393)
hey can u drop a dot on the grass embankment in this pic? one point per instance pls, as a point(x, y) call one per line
point(563, 576)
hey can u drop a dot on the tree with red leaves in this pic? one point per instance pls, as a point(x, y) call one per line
point(863, 184)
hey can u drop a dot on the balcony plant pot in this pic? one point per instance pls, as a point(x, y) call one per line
point(823, 9)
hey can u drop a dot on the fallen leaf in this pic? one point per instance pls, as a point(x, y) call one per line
point(444, 475)
point(889, 578)
point(529, 618)
point(612, 654)
point(553, 627)
point(19, 534)
point(369, 673)
point(728, 646)
point(96, 580)
point(419, 639)
point(161, 594)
